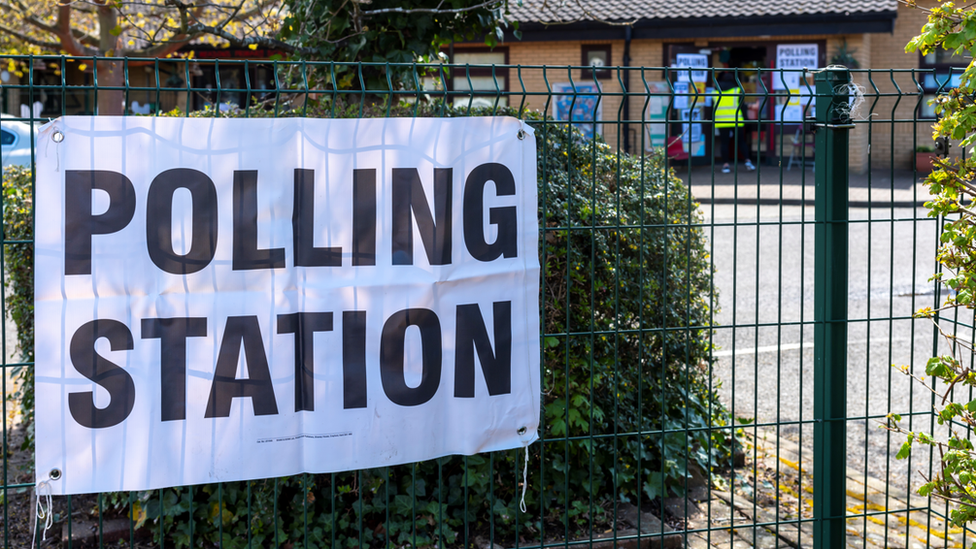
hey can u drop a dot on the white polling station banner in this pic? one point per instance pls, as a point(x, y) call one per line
point(232, 299)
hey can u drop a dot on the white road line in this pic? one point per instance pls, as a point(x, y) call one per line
point(790, 347)
point(767, 349)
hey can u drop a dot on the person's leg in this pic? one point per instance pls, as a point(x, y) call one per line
point(745, 147)
point(727, 144)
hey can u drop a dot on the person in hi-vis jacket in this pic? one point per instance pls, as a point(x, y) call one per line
point(729, 119)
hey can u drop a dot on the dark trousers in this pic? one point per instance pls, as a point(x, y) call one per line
point(728, 137)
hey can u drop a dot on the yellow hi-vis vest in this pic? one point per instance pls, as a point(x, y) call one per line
point(726, 114)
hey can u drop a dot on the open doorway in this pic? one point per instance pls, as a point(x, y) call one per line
point(699, 143)
point(743, 63)
point(785, 98)
point(740, 57)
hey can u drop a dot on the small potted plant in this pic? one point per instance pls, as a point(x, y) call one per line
point(925, 156)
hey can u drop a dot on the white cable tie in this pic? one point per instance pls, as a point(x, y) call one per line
point(856, 99)
point(42, 509)
point(525, 477)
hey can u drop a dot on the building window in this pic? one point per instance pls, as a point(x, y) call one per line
point(596, 56)
point(478, 77)
point(55, 100)
point(941, 71)
point(236, 89)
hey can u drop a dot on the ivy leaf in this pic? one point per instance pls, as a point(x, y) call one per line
point(138, 514)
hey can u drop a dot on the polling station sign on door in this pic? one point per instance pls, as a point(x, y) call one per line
point(231, 299)
point(796, 60)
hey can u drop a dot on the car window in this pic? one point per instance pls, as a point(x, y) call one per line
point(7, 138)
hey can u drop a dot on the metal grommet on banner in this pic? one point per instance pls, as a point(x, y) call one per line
point(57, 137)
point(55, 474)
point(521, 134)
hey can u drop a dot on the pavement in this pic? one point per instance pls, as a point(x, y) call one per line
point(776, 487)
point(775, 185)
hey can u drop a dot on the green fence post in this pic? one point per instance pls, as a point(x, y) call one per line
point(830, 310)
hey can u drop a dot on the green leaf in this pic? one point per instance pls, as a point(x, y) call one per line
point(906, 450)
point(652, 486)
point(403, 504)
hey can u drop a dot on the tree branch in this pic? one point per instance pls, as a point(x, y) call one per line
point(160, 50)
point(487, 3)
point(912, 4)
point(183, 36)
point(84, 37)
point(260, 41)
point(232, 15)
point(63, 31)
point(21, 12)
point(28, 39)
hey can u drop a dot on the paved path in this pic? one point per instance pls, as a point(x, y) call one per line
point(777, 481)
point(775, 489)
point(772, 186)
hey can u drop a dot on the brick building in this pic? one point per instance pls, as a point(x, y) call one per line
point(870, 34)
point(643, 35)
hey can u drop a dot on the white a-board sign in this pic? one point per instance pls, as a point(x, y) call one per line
point(231, 299)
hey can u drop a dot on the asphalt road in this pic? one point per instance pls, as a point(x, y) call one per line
point(765, 277)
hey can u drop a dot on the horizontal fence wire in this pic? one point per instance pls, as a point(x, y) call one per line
point(676, 299)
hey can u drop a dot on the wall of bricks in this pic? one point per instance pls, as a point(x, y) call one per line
point(897, 135)
point(544, 64)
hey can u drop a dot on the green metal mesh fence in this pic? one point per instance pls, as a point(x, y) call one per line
point(717, 341)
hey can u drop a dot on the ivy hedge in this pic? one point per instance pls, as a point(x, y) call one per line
point(628, 397)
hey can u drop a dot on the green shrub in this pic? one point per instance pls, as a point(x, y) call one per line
point(627, 300)
point(18, 232)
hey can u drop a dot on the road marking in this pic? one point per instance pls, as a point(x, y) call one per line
point(790, 347)
point(767, 349)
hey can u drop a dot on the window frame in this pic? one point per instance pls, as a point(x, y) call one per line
point(247, 73)
point(923, 64)
point(464, 71)
point(925, 110)
point(937, 69)
point(601, 74)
